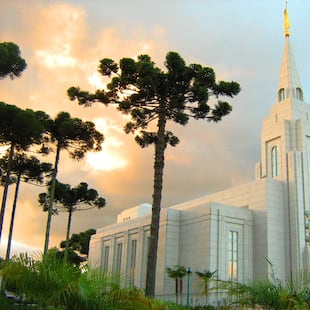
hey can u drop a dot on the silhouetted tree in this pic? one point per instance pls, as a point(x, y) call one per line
point(80, 242)
point(147, 94)
point(19, 129)
point(72, 199)
point(26, 169)
point(70, 256)
point(77, 138)
point(11, 63)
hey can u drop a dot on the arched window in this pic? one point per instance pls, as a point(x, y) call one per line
point(281, 95)
point(275, 161)
point(299, 94)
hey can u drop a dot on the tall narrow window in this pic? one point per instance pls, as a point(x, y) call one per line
point(275, 161)
point(133, 255)
point(118, 257)
point(299, 95)
point(281, 96)
point(232, 255)
point(105, 258)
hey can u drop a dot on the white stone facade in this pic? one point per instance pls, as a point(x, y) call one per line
point(243, 233)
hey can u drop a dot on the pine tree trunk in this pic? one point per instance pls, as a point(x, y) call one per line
point(68, 233)
point(157, 194)
point(51, 201)
point(181, 290)
point(8, 249)
point(176, 290)
point(6, 186)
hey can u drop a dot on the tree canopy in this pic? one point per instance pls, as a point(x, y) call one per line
point(26, 169)
point(72, 199)
point(80, 242)
point(19, 129)
point(75, 136)
point(144, 91)
point(78, 198)
point(11, 63)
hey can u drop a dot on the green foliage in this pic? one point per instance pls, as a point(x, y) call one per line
point(40, 280)
point(77, 138)
point(148, 93)
point(51, 283)
point(30, 168)
point(72, 199)
point(74, 135)
point(206, 276)
point(80, 242)
point(70, 255)
point(176, 272)
point(27, 169)
point(11, 63)
point(272, 294)
point(139, 87)
point(21, 127)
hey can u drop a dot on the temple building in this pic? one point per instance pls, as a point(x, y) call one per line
point(243, 233)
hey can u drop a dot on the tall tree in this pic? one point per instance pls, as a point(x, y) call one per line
point(19, 129)
point(26, 169)
point(11, 63)
point(72, 199)
point(77, 138)
point(147, 93)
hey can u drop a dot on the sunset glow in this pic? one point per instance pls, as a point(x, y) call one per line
point(107, 159)
point(111, 157)
point(95, 80)
point(63, 42)
point(53, 59)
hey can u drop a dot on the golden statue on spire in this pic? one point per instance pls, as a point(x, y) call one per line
point(286, 22)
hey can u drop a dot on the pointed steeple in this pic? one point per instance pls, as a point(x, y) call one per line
point(289, 83)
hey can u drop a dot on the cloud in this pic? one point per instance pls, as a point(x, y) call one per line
point(60, 54)
point(17, 248)
point(55, 59)
point(111, 157)
point(63, 42)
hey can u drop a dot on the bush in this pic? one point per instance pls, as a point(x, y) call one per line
point(51, 283)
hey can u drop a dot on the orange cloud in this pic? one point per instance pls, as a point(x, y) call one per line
point(111, 157)
point(63, 44)
point(61, 52)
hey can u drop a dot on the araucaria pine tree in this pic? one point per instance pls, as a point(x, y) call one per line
point(77, 138)
point(147, 93)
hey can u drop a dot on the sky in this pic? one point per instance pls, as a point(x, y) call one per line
point(63, 42)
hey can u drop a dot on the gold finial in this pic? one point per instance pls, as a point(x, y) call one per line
point(286, 22)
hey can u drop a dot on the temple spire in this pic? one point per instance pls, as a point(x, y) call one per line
point(289, 82)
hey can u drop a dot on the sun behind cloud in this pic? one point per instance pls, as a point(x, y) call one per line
point(110, 158)
point(95, 80)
